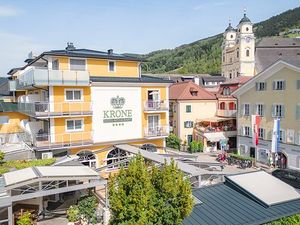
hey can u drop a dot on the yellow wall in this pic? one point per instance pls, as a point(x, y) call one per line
point(61, 135)
point(289, 97)
point(99, 67)
point(61, 105)
point(13, 125)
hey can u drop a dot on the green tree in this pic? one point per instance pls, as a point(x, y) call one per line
point(87, 208)
point(73, 213)
point(196, 146)
point(290, 220)
point(173, 199)
point(131, 195)
point(141, 195)
point(25, 219)
point(173, 141)
point(2, 155)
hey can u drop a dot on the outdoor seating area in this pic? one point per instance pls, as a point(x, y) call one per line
point(216, 125)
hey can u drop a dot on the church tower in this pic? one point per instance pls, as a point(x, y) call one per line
point(238, 50)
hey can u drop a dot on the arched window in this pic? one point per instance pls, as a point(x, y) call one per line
point(231, 36)
point(230, 76)
point(114, 156)
point(247, 52)
point(237, 54)
point(223, 58)
point(87, 158)
point(232, 106)
point(247, 28)
point(222, 105)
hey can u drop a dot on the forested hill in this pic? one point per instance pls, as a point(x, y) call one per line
point(204, 56)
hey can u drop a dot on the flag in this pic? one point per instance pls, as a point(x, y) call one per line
point(275, 136)
point(255, 119)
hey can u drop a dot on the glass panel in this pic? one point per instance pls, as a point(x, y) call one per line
point(111, 66)
point(4, 119)
point(55, 65)
point(69, 95)
point(70, 124)
point(78, 124)
point(77, 64)
point(77, 95)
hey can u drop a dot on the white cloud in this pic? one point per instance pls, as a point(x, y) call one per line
point(8, 11)
point(14, 50)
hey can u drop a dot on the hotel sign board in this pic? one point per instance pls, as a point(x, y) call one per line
point(117, 113)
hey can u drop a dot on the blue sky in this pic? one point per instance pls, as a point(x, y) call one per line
point(137, 26)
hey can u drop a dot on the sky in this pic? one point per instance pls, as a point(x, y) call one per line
point(127, 26)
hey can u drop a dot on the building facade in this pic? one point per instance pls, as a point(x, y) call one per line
point(82, 102)
point(272, 94)
point(238, 48)
point(188, 103)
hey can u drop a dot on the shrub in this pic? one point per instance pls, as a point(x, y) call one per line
point(289, 220)
point(3, 170)
point(196, 146)
point(240, 157)
point(2, 155)
point(73, 213)
point(87, 208)
point(173, 141)
point(25, 219)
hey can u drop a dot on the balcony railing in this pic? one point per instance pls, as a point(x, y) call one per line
point(216, 129)
point(226, 113)
point(45, 77)
point(55, 109)
point(61, 140)
point(156, 131)
point(157, 105)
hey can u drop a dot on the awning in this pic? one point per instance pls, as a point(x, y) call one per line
point(215, 137)
point(214, 119)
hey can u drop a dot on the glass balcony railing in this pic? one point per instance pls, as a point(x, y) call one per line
point(45, 77)
point(55, 109)
point(226, 113)
point(156, 105)
point(156, 131)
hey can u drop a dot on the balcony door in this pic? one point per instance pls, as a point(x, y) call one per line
point(153, 99)
point(153, 124)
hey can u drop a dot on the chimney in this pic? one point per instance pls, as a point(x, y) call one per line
point(70, 46)
point(110, 51)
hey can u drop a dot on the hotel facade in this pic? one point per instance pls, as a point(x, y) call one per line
point(82, 102)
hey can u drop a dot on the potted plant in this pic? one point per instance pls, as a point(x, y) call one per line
point(73, 215)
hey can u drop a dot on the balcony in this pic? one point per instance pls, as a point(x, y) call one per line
point(158, 131)
point(155, 106)
point(45, 77)
point(217, 125)
point(45, 141)
point(55, 109)
point(226, 113)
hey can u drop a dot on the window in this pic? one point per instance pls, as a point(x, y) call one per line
point(232, 106)
point(111, 66)
point(247, 29)
point(188, 124)
point(298, 84)
point(282, 136)
point(261, 86)
point(226, 91)
point(278, 110)
point(246, 110)
point(260, 109)
point(77, 64)
point(74, 125)
point(247, 131)
point(279, 85)
point(73, 95)
point(242, 149)
point(222, 106)
point(237, 54)
point(223, 58)
point(298, 112)
point(298, 137)
point(55, 64)
point(247, 52)
point(261, 133)
point(4, 119)
point(188, 108)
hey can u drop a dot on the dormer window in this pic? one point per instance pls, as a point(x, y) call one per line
point(193, 92)
point(226, 91)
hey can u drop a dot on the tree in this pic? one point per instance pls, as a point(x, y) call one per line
point(149, 195)
point(173, 141)
point(2, 155)
point(290, 220)
point(73, 213)
point(87, 208)
point(196, 146)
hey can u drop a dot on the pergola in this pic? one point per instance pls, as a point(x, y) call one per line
point(37, 182)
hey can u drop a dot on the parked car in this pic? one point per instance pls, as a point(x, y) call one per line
point(291, 177)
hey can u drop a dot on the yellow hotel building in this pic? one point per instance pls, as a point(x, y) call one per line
point(82, 102)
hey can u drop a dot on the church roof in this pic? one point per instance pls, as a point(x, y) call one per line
point(245, 19)
point(229, 28)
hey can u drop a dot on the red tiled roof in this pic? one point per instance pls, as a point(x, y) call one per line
point(238, 80)
point(183, 91)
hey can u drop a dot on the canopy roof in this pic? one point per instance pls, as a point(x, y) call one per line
point(215, 136)
point(215, 119)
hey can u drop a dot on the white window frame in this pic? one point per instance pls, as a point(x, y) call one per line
point(58, 64)
point(85, 69)
point(244, 111)
point(188, 122)
point(263, 133)
point(151, 89)
point(283, 87)
point(244, 131)
point(245, 149)
point(258, 87)
point(115, 66)
point(74, 100)
point(186, 108)
point(159, 119)
point(74, 130)
point(274, 115)
point(262, 109)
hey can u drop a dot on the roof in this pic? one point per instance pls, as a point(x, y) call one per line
point(245, 19)
point(259, 184)
point(214, 78)
point(49, 172)
point(270, 50)
point(142, 79)
point(215, 136)
point(216, 119)
point(238, 80)
point(229, 28)
point(223, 204)
point(183, 91)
